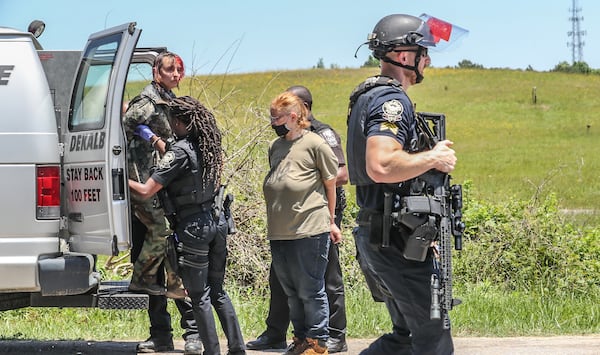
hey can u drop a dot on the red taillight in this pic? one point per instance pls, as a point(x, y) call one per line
point(48, 191)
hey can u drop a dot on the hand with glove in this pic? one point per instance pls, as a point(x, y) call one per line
point(144, 131)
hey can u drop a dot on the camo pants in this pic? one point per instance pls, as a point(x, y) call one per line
point(153, 251)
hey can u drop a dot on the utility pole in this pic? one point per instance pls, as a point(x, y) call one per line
point(576, 44)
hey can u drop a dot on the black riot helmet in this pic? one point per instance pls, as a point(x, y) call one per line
point(400, 30)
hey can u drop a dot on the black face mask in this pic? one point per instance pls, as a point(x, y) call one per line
point(280, 130)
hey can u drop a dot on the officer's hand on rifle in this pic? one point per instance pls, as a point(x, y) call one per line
point(144, 131)
point(445, 157)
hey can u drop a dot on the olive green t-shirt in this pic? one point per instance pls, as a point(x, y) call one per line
point(293, 189)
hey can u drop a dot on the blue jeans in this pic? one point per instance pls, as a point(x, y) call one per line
point(409, 284)
point(300, 267)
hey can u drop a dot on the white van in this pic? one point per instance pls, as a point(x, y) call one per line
point(63, 176)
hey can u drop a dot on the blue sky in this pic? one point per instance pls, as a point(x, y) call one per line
point(240, 36)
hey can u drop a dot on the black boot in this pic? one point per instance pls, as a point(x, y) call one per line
point(148, 285)
point(337, 345)
point(264, 342)
point(193, 346)
point(152, 345)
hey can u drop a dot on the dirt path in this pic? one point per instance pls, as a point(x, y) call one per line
point(559, 345)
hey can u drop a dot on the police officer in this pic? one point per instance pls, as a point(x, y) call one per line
point(189, 174)
point(278, 319)
point(143, 117)
point(382, 154)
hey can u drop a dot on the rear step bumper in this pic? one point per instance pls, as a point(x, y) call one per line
point(109, 295)
point(116, 295)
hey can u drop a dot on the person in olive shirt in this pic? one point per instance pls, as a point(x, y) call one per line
point(279, 313)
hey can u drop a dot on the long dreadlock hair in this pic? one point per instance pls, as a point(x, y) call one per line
point(203, 131)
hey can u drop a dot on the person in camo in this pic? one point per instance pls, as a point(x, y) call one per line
point(144, 116)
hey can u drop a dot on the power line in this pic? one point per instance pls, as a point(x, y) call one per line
point(576, 44)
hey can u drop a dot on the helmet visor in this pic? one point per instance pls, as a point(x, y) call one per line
point(444, 34)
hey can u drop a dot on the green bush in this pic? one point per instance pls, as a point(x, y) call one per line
point(527, 246)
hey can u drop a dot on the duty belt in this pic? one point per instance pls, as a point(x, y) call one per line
point(192, 210)
point(364, 216)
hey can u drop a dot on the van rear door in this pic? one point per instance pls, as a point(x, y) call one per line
point(94, 166)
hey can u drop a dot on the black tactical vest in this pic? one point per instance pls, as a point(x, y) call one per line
point(188, 193)
point(357, 115)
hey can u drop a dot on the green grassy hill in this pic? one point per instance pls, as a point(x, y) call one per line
point(507, 144)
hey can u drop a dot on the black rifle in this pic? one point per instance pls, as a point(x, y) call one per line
point(449, 200)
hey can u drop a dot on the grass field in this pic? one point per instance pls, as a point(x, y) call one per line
point(507, 144)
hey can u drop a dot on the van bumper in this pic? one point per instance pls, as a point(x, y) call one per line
point(67, 274)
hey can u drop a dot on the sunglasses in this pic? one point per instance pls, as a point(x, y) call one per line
point(424, 51)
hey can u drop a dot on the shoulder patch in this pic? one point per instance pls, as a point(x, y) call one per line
point(392, 110)
point(166, 160)
point(389, 126)
point(329, 137)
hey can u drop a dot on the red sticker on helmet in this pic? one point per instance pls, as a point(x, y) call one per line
point(439, 29)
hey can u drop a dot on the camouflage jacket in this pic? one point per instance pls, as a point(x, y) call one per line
point(146, 109)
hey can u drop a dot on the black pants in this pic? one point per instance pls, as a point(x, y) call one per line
point(406, 290)
point(219, 299)
point(278, 319)
point(160, 319)
point(204, 254)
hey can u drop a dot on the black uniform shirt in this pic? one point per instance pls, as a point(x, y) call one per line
point(330, 136)
point(174, 165)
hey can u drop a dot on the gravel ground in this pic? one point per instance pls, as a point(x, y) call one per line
point(583, 345)
point(559, 345)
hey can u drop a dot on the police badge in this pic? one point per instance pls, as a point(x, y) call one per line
point(329, 137)
point(392, 111)
point(166, 160)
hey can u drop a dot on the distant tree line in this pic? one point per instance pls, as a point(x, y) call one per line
point(564, 67)
point(577, 67)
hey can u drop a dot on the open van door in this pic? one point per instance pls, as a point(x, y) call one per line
point(94, 163)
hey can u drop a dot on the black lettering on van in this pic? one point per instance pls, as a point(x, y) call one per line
point(85, 195)
point(94, 173)
point(5, 73)
point(73, 174)
point(91, 195)
point(87, 141)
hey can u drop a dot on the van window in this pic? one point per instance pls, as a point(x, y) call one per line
point(90, 95)
point(139, 75)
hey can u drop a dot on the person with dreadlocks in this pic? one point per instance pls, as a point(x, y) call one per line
point(187, 180)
